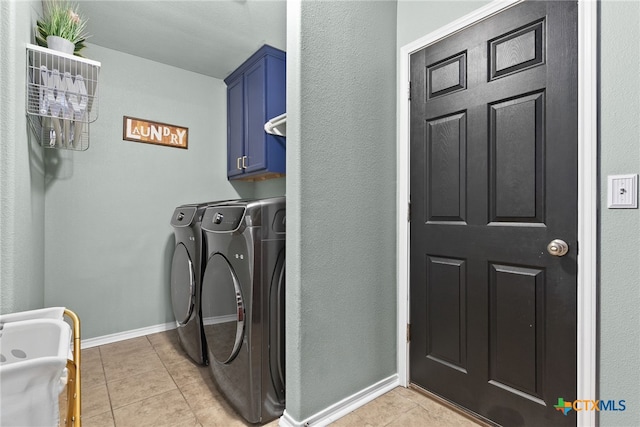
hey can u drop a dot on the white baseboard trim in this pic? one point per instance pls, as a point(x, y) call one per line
point(121, 336)
point(208, 321)
point(135, 333)
point(342, 408)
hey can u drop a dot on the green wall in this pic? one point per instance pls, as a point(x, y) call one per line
point(21, 169)
point(341, 286)
point(419, 18)
point(108, 241)
point(620, 228)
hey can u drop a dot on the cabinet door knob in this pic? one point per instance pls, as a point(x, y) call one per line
point(244, 162)
point(238, 163)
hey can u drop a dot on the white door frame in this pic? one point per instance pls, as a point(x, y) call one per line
point(586, 362)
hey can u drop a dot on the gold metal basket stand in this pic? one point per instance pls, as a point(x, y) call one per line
point(73, 416)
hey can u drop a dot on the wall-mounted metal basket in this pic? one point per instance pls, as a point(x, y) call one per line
point(62, 97)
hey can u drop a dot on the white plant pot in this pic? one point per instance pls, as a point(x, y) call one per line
point(60, 44)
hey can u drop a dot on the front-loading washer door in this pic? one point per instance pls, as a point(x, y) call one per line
point(277, 328)
point(223, 311)
point(183, 285)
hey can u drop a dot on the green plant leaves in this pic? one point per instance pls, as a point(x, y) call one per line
point(62, 19)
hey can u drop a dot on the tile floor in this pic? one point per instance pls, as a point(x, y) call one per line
point(149, 381)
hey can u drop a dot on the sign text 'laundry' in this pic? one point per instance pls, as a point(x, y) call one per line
point(140, 130)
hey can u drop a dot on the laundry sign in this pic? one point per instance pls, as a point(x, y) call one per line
point(140, 130)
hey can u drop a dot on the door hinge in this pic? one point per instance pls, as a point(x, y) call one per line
point(408, 332)
point(409, 91)
point(409, 212)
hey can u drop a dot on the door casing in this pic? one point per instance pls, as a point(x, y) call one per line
point(587, 191)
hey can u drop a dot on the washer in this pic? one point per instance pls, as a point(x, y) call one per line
point(243, 304)
point(187, 267)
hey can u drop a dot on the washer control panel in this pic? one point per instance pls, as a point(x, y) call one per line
point(183, 216)
point(222, 218)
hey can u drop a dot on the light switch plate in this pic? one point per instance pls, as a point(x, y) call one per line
point(623, 191)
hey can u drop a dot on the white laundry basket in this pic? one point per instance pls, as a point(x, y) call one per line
point(35, 364)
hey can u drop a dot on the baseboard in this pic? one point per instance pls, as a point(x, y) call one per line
point(135, 333)
point(121, 336)
point(208, 321)
point(342, 408)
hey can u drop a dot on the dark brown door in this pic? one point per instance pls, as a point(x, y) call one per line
point(493, 182)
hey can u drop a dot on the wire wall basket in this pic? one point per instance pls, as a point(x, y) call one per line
point(62, 97)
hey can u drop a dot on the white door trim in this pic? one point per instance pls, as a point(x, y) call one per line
point(587, 191)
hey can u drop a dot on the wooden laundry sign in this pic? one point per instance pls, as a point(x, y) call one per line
point(139, 130)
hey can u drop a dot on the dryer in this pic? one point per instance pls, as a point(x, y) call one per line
point(187, 266)
point(243, 304)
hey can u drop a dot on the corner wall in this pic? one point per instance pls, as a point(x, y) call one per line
point(341, 286)
point(21, 169)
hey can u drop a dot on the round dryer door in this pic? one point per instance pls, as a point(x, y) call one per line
point(222, 309)
point(183, 285)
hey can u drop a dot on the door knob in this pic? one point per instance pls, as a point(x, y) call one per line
point(558, 247)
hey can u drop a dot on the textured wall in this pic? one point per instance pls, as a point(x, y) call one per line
point(270, 188)
point(419, 18)
point(21, 169)
point(619, 229)
point(108, 239)
point(341, 287)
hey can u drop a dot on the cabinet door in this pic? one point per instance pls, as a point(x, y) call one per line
point(235, 127)
point(255, 148)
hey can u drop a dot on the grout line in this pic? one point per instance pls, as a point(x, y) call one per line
point(106, 383)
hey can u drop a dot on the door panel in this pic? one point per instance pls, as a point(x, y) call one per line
point(516, 163)
point(447, 76)
point(235, 127)
point(446, 309)
point(517, 50)
point(493, 180)
point(255, 79)
point(446, 183)
point(516, 335)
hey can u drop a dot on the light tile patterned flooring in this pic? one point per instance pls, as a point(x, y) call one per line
point(149, 381)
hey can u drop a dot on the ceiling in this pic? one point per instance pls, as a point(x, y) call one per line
point(210, 37)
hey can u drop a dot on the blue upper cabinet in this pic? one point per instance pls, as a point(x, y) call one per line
point(256, 92)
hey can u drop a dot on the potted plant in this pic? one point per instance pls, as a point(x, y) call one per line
point(62, 27)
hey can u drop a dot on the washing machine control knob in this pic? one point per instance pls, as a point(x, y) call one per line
point(217, 219)
point(180, 216)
